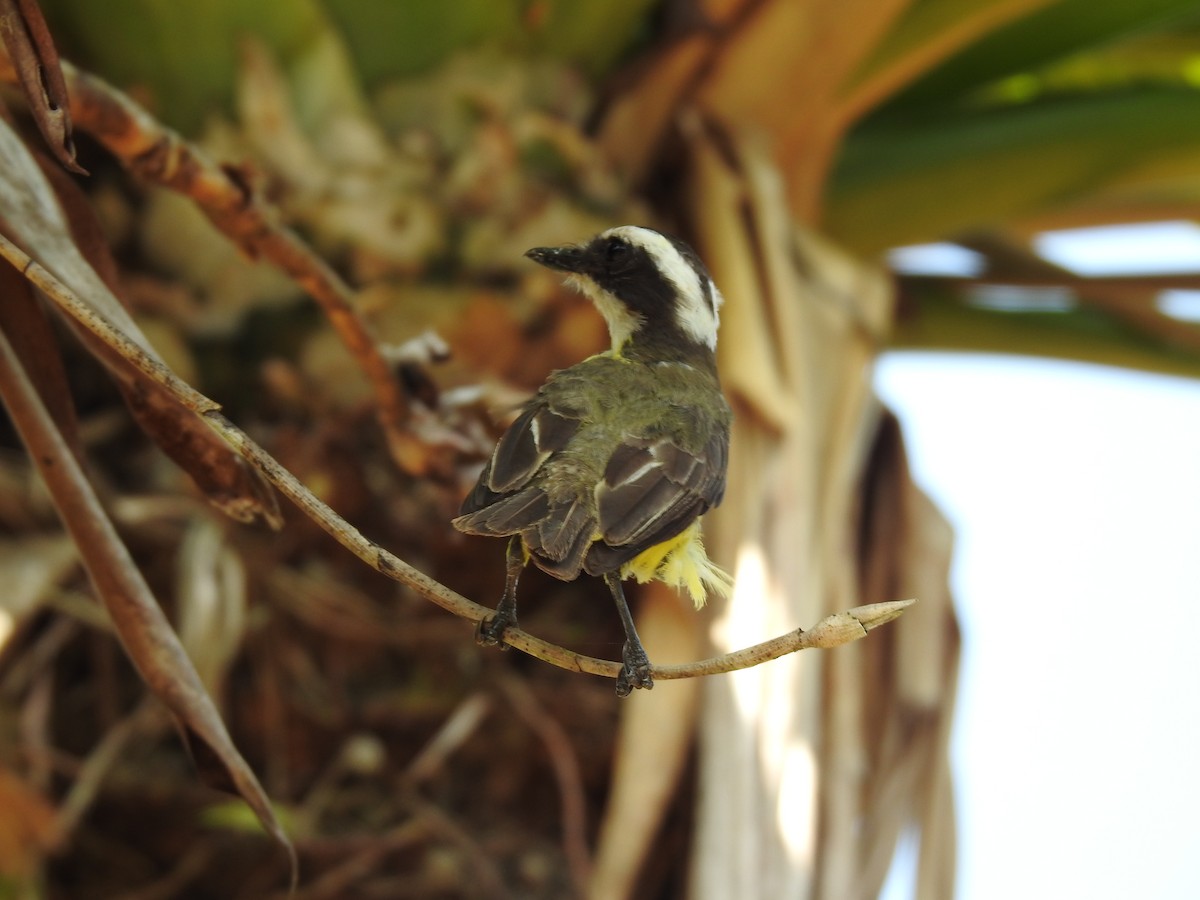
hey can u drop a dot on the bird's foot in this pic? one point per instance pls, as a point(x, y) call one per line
point(490, 631)
point(635, 673)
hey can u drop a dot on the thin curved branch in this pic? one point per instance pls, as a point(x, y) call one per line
point(832, 631)
point(829, 632)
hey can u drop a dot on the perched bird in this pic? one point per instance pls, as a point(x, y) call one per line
point(610, 466)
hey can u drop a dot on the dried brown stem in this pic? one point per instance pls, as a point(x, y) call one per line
point(829, 632)
point(458, 727)
point(227, 196)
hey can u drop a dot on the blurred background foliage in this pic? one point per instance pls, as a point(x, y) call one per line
point(189, 54)
point(1066, 105)
point(966, 115)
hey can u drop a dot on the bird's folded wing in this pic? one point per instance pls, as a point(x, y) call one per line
point(652, 490)
point(528, 442)
point(535, 435)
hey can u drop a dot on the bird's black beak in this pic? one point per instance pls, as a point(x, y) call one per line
point(564, 259)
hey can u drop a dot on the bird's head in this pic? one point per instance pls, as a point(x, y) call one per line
point(650, 288)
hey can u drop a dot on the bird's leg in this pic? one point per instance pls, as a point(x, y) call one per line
point(636, 670)
point(490, 631)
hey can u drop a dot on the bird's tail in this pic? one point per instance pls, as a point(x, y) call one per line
point(685, 566)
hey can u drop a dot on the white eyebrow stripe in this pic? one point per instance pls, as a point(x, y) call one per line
point(718, 299)
point(696, 314)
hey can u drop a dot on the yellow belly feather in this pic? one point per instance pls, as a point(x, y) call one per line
point(681, 563)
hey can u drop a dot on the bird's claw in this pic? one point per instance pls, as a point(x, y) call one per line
point(490, 631)
point(635, 673)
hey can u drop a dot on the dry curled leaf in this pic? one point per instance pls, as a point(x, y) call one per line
point(31, 49)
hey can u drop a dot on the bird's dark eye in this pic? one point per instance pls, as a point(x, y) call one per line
point(616, 251)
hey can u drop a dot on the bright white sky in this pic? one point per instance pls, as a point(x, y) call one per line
point(1075, 494)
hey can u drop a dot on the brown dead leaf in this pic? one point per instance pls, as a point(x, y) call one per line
point(226, 480)
point(32, 214)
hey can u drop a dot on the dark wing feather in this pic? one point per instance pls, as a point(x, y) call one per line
point(561, 539)
point(559, 532)
point(508, 500)
point(505, 515)
point(522, 449)
point(528, 442)
point(652, 490)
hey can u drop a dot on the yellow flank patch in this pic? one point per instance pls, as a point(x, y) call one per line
point(681, 563)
